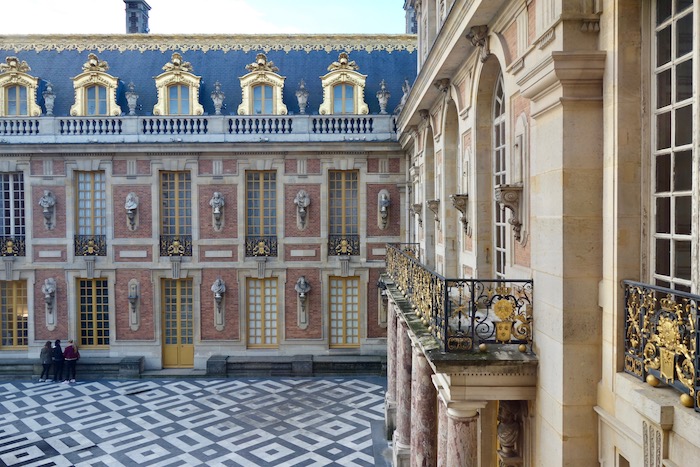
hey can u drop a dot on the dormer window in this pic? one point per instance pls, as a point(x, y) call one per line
point(178, 89)
point(262, 89)
point(17, 89)
point(343, 88)
point(95, 90)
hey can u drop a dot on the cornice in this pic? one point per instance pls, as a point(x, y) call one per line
point(211, 42)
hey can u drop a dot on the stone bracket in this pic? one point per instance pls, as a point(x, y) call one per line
point(510, 196)
point(461, 203)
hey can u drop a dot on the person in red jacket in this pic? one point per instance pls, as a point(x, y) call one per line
point(71, 356)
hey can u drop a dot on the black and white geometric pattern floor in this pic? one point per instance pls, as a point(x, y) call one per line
point(191, 422)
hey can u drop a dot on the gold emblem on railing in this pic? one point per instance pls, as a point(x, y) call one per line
point(344, 247)
point(176, 248)
point(9, 247)
point(261, 249)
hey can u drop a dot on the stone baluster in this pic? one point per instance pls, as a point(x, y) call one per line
point(423, 416)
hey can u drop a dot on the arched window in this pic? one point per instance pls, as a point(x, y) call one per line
point(262, 100)
point(96, 100)
point(178, 99)
point(343, 99)
point(16, 100)
point(498, 143)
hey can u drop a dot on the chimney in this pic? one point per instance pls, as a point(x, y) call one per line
point(411, 20)
point(137, 16)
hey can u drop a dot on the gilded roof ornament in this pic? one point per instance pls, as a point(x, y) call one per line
point(343, 63)
point(177, 64)
point(13, 64)
point(95, 64)
point(261, 64)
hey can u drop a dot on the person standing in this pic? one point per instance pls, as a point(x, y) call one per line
point(46, 359)
point(71, 356)
point(57, 361)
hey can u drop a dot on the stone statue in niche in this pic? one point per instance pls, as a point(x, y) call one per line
point(302, 201)
point(47, 203)
point(131, 205)
point(302, 287)
point(217, 204)
point(219, 288)
point(383, 206)
point(49, 291)
point(508, 430)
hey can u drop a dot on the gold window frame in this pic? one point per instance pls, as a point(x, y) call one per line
point(262, 72)
point(14, 73)
point(344, 71)
point(177, 71)
point(95, 74)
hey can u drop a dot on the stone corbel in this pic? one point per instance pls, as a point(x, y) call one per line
point(461, 203)
point(133, 297)
point(302, 288)
point(383, 205)
point(132, 206)
point(510, 196)
point(48, 205)
point(479, 37)
point(217, 203)
point(434, 205)
point(218, 288)
point(442, 85)
point(302, 201)
point(417, 209)
point(49, 291)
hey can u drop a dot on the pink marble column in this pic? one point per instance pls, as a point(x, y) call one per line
point(462, 437)
point(423, 413)
point(402, 435)
point(391, 357)
point(442, 434)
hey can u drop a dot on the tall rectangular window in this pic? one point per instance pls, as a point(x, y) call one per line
point(344, 312)
point(343, 212)
point(93, 313)
point(675, 54)
point(16, 100)
point(178, 99)
point(12, 206)
point(261, 213)
point(96, 100)
point(499, 177)
point(176, 213)
point(343, 99)
point(262, 100)
point(13, 314)
point(262, 312)
point(91, 218)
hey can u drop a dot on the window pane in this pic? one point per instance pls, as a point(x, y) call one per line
point(684, 29)
point(663, 256)
point(663, 89)
point(663, 173)
point(663, 46)
point(663, 10)
point(683, 213)
point(683, 171)
point(663, 215)
point(684, 80)
point(682, 260)
point(663, 130)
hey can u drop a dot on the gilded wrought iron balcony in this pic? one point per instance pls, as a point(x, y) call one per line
point(90, 245)
point(261, 246)
point(175, 245)
point(463, 314)
point(343, 245)
point(661, 338)
point(12, 246)
point(196, 129)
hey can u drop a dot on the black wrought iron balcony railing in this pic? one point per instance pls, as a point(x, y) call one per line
point(661, 338)
point(463, 314)
point(343, 245)
point(90, 245)
point(13, 246)
point(261, 246)
point(176, 245)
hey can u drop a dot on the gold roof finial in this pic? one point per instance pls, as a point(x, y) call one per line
point(13, 64)
point(95, 64)
point(343, 63)
point(262, 64)
point(176, 63)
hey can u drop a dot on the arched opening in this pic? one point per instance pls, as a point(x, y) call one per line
point(429, 194)
point(452, 231)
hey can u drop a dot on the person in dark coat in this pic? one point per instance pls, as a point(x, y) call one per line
point(71, 357)
point(46, 359)
point(57, 362)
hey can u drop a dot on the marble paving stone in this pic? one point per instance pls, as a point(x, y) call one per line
point(246, 422)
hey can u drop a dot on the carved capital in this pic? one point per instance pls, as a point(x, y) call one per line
point(510, 196)
point(479, 37)
point(443, 85)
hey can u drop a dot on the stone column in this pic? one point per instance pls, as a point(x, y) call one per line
point(391, 357)
point(402, 435)
point(423, 416)
point(442, 434)
point(463, 437)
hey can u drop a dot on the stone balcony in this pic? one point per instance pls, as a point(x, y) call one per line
point(192, 129)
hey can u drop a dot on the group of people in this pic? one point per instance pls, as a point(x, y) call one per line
point(63, 361)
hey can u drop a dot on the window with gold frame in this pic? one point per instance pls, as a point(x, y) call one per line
point(95, 90)
point(91, 214)
point(262, 313)
point(343, 88)
point(93, 313)
point(176, 213)
point(344, 307)
point(262, 89)
point(17, 89)
point(178, 89)
point(14, 315)
point(12, 213)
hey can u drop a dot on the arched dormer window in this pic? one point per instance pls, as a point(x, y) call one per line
point(262, 89)
point(343, 88)
point(178, 89)
point(95, 90)
point(17, 89)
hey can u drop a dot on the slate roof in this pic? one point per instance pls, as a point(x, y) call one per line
point(139, 58)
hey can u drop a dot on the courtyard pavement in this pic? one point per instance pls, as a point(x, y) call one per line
point(194, 422)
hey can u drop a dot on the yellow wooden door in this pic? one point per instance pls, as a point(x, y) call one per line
point(178, 323)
